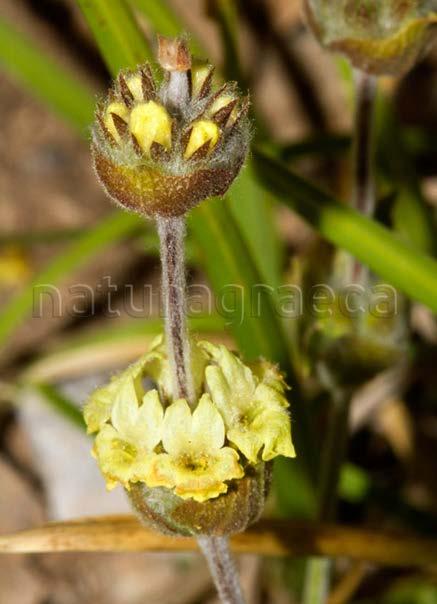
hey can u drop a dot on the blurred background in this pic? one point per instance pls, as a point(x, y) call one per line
point(81, 323)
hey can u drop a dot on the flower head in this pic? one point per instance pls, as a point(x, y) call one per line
point(164, 451)
point(378, 36)
point(160, 149)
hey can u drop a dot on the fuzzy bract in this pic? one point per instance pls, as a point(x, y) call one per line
point(378, 36)
point(161, 148)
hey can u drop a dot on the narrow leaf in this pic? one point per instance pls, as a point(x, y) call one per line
point(45, 78)
point(114, 228)
point(118, 36)
point(401, 265)
point(268, 538)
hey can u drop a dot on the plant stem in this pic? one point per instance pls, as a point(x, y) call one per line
point(316, 583)
point(171, 236)
point(221, 564)
point(318, 570)
point(364, 187)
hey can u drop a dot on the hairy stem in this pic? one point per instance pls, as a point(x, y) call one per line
point(364, 187)
point(171, 236)
point(222, 566)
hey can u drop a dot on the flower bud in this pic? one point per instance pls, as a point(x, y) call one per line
point(201, 471)
point(377, 36)
point(159, 150)
point(355, 341)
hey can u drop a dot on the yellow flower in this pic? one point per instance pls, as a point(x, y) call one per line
point(254, 408)
point(196, 464)
point(125, 449)
point(97, 410)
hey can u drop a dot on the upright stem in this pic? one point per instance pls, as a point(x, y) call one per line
point(221, 564)
point(318, 571)
point(171, 236)
point(317, 577)
point(364, 187)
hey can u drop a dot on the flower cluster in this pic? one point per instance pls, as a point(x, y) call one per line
point(241, 419)
point(378, 36)
point(160, 149)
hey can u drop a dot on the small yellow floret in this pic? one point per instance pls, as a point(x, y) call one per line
point(203, 131)
point(135, 86)
point(149, 123)
point(198, 77)
point(220, 102)
point(119, 109)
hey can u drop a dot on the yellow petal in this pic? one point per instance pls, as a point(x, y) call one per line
point(176, 433)
point(266, 426)
point(135, 86)
point(127, 397)
point(231, 383)
point(248, 442)
point(120, 461)
point(119, 109)
point(203, 131)
point(269, 374)
point(221, 102)
point(199, 73)
point(238, 376)
point(148, 430)
point(149, 122)
point(97, 409)
point(272, 424)
point(208, 429)
point(200, 478)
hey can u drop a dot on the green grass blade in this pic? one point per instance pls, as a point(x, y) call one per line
point(401, 265)
point(236, 281)
point(49, 82)
point(226, 14)
point(114, 228)
point(163, 20)
point(117, 34)
point(253, 210)
point(61, 404)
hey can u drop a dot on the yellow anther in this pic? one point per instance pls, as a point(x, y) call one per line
point(135, 86)
point(149, 123)
point(119, 109)
point(203, 131)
